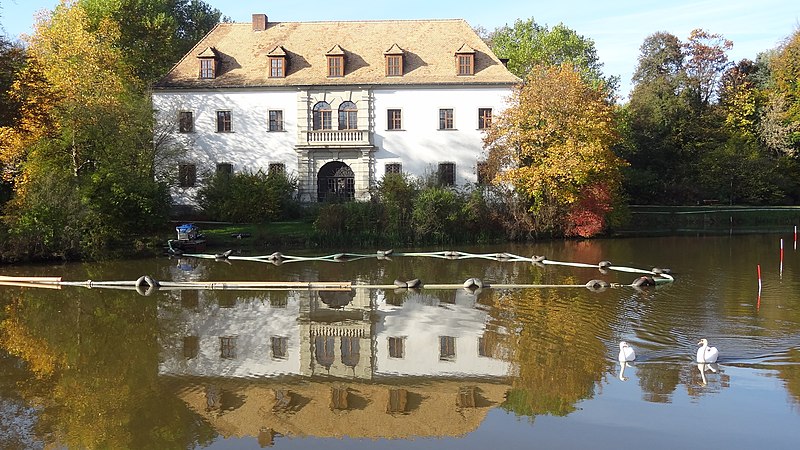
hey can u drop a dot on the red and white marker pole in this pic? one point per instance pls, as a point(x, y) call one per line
point(758, 303)
point(781, 269)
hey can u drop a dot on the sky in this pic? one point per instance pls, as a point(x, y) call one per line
point(617, 27)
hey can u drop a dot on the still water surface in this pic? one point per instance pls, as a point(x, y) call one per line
point(371, 368)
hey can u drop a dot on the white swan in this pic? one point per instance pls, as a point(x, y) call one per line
point(626, 352)
point(706, 354)
point(703, 367)
point(622, 367)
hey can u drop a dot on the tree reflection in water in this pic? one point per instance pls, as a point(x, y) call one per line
point(86, 368)
point(555, 347)
point(86, 354)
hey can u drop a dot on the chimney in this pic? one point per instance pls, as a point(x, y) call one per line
point(259, 22)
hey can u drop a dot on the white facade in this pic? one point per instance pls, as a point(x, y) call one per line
point(422, 323)
point(417, 95)
point(419, 146)
point(235, 341)
point(233, 335)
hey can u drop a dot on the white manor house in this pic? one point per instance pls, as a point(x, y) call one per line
point(336, 104)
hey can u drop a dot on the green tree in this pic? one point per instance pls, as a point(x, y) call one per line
point(706, 61)
point(154, 34)
point(12, 58)
point(785, 67)
point(673, 122)
point(80, 157)
point(527, 44)
point(553, 145)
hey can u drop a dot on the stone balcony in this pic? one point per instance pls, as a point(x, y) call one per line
point(335, 138)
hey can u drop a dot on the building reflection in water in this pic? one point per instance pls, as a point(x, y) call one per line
point(361, 363)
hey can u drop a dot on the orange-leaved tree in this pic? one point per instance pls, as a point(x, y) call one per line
point(553, 147)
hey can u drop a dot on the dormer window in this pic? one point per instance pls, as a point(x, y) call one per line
point(335, 61)
point(208, 63)
point(394, 61)
point(277, 62)
point(465, 60)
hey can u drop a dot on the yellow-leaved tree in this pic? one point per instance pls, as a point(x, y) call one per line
point(553, 147)
point(81, 156)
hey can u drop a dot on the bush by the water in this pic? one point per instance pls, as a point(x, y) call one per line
point(406, 212)
point(249, 197)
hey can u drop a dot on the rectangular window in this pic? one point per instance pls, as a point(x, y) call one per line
point(445, 119)
point(398, 401)
point(187, 175)
point(191, 346)
point(227, 347)
point(484, 118)
point(447, 174)
point(485, 347)
point(465, 65)
point(207, 68)
point(224, 168)
point(394, 119)
point(393, 168)
point(396, 349)
point(339, 399)
point(482, 169)
point(190, 299)
point(224, 122)
point(394, 65)
point(276, 68)
point(185, 122)
point(447, 348)
point(275, 120)
point(276, 169)
point(279, 347)
point(335, 66)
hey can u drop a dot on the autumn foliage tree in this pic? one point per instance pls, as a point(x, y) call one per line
point(80, 157)
point(553, 147)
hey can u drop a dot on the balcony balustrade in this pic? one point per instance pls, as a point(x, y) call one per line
point(336, 138)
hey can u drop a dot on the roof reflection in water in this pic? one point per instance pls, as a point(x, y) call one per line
point(330, 364)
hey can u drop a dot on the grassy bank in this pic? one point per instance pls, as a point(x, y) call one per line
point(280, 236)
point(667, 218)
point(266, 237)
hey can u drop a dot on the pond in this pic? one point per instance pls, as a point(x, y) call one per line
point(436, 367)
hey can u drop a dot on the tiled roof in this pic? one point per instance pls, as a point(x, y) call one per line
point(207, 53)
point(428, 47)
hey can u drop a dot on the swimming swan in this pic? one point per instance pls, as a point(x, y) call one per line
point(703, 367)
point(706, 354)
point(626, 352)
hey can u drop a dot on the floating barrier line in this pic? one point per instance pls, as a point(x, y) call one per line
point(279, 258)
point(146, 285)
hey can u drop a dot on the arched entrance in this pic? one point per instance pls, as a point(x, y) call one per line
point(335, 181)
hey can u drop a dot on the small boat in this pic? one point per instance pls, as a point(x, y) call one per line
point(189, 240)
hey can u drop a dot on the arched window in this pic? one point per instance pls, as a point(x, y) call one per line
point(322, 116)
point(323, 350)
point(351, 351)
point(348, 116)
